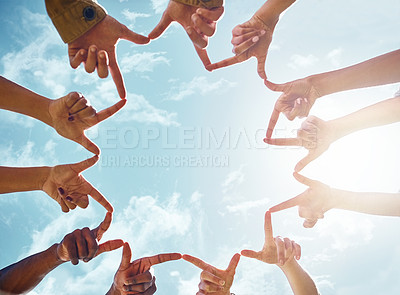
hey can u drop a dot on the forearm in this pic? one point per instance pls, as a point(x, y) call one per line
point(381, 70)
point(22, 179)
point(18, 99)
point(381, 113)
point(385, 204)
point(299, 280)
point(113, 291)
point(271, 10)
point(24, 275)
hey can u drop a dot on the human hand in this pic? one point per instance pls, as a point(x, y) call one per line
point(251, 38)
point(313, 203)
point(275, 250)
point(213, 280)
point(69, 188)
point(97, 49)
point(72, 114)
point(296, 100)
point(199, 24)
point(136, 277)
point(82, 244)
point(315, 135)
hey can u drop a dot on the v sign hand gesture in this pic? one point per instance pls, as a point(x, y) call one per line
point(72, 114)
point(275, 250)
point(199, 24)
point(136, 277)
point(213, 280)
point(97, 49)
point(69, 188)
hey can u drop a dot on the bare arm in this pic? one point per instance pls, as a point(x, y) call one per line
point(299, 280)
point(271, 10)
point(18, 99)
point(22, 179)
point(380, 70)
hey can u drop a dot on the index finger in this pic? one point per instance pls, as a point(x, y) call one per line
point(268, 228)
point(196, 261)
point(202, 53)
point(117, 76)
point(108, 112)
point(286, 204)
point(98, 197)
point(283, 141)
point(109, 246)
point(224, 63)
point(103, 226)
point(161, 258)
point(272, 122)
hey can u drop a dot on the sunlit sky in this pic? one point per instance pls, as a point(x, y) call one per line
point(165, 203)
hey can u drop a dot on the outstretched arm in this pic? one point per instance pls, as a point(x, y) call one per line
point(316, 135)
point(319, 198)
point(299, 280)
point(24, 275)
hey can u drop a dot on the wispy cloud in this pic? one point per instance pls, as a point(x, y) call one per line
point(300, 61)
point(132, 16)
point(334, 56)
point(159, 5)
point(232, 180)
point(198, 85)
point(143, 62)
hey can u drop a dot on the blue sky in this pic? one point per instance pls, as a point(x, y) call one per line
point(165, 203)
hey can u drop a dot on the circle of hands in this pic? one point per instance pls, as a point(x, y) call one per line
point(72, 114)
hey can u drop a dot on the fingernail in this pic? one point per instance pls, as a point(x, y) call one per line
point(82, 52)
point(255, 39)
point(233, 51)
point(71, 118)
point(281, 262)
point(69, 199)
point(222, 282)
point(102, 55)
point(61, 191)
point(85, 260)
point(297, 257)
point(262, 32)
point(92, 49)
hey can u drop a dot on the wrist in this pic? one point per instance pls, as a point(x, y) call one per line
point(113, 291)
point(42, 174)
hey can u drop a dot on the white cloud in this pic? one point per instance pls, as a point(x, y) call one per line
point(300, 61)
point(159, 5)
point(143, 62)
point(199, 85)
point(132, 16)
point(233, 179)
point(334, 56)
point(243, 207)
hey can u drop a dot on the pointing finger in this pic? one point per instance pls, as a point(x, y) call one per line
point(81, 166)
point(129, 35)
point(161, 258)
point(224, 63)
point(305, 161)
point(275, 87)
point(126, 257)
point(196, 261)
point(304, 180)
point(98, 197)
point(233, 263)
point(272, 122)
point(117, 76)
point(198, 40)
point(103, 226)
point(261, 67)
point(88, 144)
point(269, 239)
point(108, 112)
point(283, 141)
point(109, 246)
point(251, 254)
point(161, 26)
point(286, 204)
point(202, 53)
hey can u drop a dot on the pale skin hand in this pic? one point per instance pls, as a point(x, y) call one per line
point(313, 203)
point(275, 250)
point(82, 244)
point(199, 24)
point(249, 39)
point(136, 277)
point(69, 188)
point(97, 49)
point(72, 115)
point(213, 280)
point(296, 100)
point(315, 135)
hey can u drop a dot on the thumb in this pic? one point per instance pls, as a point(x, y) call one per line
point(233, 263)
point(250, 254)
point(81, 166)
point(305, 161)
point(88, 144)
point(165, 21)
point(103, 226)
point(126, 257)
point(109, 246)
point(275, 87)
point(129, 35)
